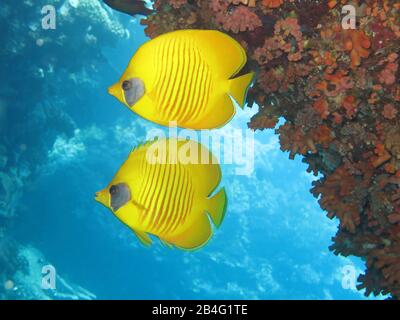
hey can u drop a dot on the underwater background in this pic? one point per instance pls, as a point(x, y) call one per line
point(62, 138)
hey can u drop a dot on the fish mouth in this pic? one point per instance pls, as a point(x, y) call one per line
point(129, 92)
point(101, 198)
point(115, 90)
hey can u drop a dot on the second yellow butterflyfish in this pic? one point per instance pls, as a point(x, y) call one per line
point(167, 188)
point(187, 78)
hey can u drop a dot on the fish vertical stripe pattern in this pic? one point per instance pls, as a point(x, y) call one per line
point(187, 77)
point(173, 200)
point(174, 93)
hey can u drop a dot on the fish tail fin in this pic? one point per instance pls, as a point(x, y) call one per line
point(238, 87)
point(216, 207)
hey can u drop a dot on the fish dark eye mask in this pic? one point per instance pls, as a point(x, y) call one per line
point(120, 195)
point(133, 90)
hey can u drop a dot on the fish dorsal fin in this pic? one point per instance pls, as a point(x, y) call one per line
point(143, 238)
point(207, 173)
point(196, 236)
point(223, 53)
point(142, 145)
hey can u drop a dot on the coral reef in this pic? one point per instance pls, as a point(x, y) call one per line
point(337, 91)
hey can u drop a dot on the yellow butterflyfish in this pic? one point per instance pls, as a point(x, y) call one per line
point(185, 77)
point(166, 188)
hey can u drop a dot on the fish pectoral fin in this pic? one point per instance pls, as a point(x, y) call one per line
point(239, 86)
point(145, 107)
point(143, 238)
point(137, 204)
point(152, 95)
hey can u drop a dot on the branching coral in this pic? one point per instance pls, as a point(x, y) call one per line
point(339, 94)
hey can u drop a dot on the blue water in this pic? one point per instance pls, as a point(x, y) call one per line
point(273, 243)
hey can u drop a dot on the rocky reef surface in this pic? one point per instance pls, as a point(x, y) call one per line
point(39, 67)
point(338, 92)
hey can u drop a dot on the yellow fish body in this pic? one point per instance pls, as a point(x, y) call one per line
point(171, 199)
point(186, 77)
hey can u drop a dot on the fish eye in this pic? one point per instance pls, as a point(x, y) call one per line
point(113, 190)
point(126, 85)
point(133, 90)
point(120, 195)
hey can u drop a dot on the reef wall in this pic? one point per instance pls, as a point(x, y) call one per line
point(339, 95)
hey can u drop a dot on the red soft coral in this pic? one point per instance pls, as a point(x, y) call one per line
point(335, 84)
point(350, 105)
point(321, 106)
point(358, 44)
point(239, 20)
point(389, 111)
point(388, 74)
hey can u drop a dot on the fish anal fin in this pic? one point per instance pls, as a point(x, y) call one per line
point(221, 112)
point(138, 205)
point(166, 243)
point(194, 237)
point(143, 238)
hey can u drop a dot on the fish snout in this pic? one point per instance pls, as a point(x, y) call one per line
point(114, 90)
point(101, 197)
